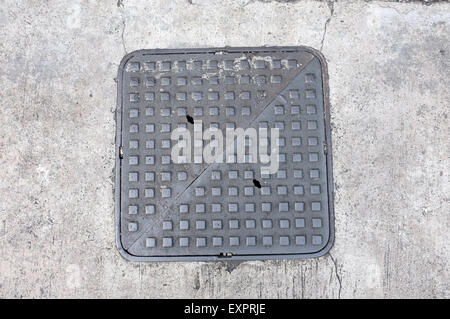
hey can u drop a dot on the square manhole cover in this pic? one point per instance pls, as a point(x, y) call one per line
point(241, 206)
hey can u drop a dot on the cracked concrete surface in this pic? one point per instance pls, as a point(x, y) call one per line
point(389, 66)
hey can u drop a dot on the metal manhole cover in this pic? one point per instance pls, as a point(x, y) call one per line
point(196, 210)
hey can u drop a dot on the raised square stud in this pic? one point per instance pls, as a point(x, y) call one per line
point(132, 210)
point(132, 226)
point(184, 241)
point(150, 209)
point(150, 242)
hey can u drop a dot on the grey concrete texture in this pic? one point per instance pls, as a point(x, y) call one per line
point(389, 67)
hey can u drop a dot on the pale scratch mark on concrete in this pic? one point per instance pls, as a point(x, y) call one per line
point(120, 5)
point(331, 7)
point(122, 35)
point(337, 275)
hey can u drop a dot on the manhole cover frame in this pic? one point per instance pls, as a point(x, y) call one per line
point(328, 154)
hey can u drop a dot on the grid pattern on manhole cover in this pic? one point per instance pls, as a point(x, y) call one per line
point(200, 211)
